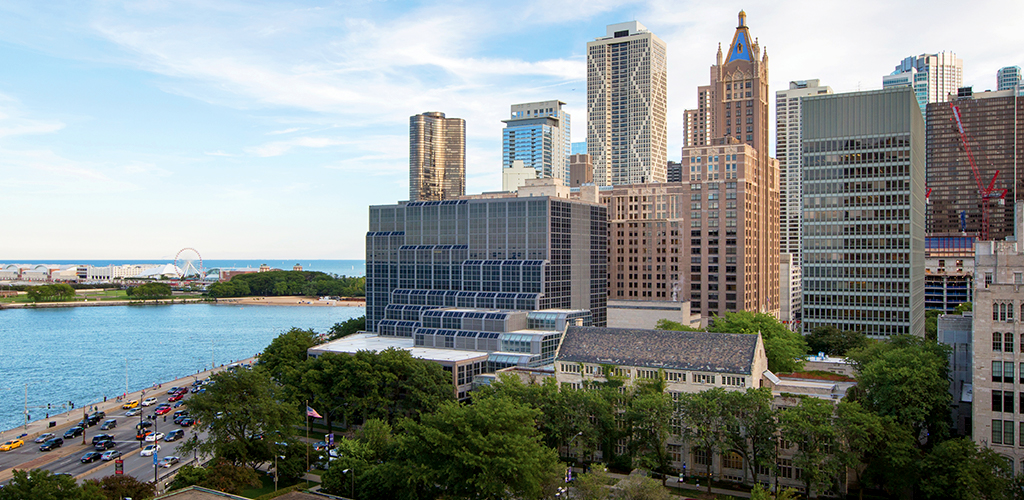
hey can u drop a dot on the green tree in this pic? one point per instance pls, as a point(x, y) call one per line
point(377, 435)
point(347, 327)
point(640, 487)
point(647, 416)
point(488, 450)
point(230, 478)
point(705, 420)
point(665, 324)
point(879, 450)
point(50, 293)
point(809, 425)
point(931, 324)
point(284, 359)
point(117, 487)
point(784, 348)
point(754, 429)
point(41, 484)
point(833, 341)
point(958, 469)
point(243, 415)
point(188, 475)
point(906, 378)
point(964, 307)
point(593, 485)
point(149, 291)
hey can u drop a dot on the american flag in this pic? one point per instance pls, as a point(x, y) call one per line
point(310, 412)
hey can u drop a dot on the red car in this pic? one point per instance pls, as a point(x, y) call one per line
point(176, 397)
point(163, 409)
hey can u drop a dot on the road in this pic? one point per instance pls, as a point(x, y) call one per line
point(67, 458)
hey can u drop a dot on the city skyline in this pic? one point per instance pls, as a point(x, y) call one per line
point(266, 131)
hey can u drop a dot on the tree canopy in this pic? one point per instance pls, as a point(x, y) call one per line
point(51, 293)
point(151, 290)
point(833, 341)
point(958, 469)
point(277, 283)
point(784, 348)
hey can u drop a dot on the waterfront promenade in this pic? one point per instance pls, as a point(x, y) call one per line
point(9, 461)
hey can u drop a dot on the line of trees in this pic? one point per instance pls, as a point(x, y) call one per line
point(278, 283)
point(51, 293)
point(146, 291)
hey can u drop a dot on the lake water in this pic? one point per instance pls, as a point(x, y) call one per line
point(78, 353)
point(339, 267)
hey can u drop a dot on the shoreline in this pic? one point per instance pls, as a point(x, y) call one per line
point(290, 300)
point(65, 420)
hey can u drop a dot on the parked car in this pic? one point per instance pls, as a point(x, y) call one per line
point(149, 402)
point(74, 432)
point(130, 404)
point(169, 461)
point(12, 444)
point(110, 455)
point(51, 443)
point(108, 424)
point(175, 435)
point(149, 450)
point(45, 436)
point(101, 437)
point(106, 444)
point(91, 456)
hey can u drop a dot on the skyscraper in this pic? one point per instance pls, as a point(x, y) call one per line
point(732, 111)
point(992, 121)
point(932, 76)
point(1008, 78)
point(437, 157)
point(538, 135)
point(627, 99)
point(864, 204)
point(788, 152)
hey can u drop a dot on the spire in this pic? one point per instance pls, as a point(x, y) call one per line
point(719, 58)
point(743, 19)
point(740, 49)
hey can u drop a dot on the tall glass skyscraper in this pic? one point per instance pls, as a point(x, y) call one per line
point(932, 76)
point(1008, 78)
point(538, 135)
point(864, 212)
point(437, 157)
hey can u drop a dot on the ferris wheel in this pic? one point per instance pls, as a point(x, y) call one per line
point(189, 263)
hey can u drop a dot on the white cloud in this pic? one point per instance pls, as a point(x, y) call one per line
point(278, 148)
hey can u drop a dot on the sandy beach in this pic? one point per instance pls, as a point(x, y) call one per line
point(294, 301)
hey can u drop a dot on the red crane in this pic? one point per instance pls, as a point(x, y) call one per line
point(988, 192)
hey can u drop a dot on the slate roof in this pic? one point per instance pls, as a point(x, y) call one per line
point(698, 351)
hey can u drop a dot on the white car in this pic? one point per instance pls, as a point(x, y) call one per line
point(149, 450)
point(156, 436)
point(149, 402)
point(167, 462)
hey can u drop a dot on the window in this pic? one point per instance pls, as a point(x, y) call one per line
point(1008, 372)
point(732, 460)
point(1008, 401)
point(997, 432)
point(997, 342)
point(997, 371)
point(1008, 432)
point(997, 401)
point(1007, 342)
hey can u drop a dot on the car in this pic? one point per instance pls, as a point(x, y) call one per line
point(108, 424)
point(179, 413)
point(200, 390)
point(156, 436)
point(320, 445)
point(176, 397)
point(183, 391)
point(130, 404)
point(110, 455)
point(179, 403)
point(92, 456)
point(133, 412)
point(186, 422)
point(149, 450)
point(174, 435)
point(12, 444)
point(44, 437)
point(85, 423)
point(142, 434)
point(106, 444)
point(174, 390)
point(145, 424)
point(96, 417)
point(168, 461)
point(101, 437)
point(74, 432)
point(51, 443)
point(163, 410)
point(149, 402)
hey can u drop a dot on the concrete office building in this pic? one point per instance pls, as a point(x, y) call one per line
point(674, 172)
point(581, 170)
point(537, 134)
point(934, 77)
point(516, 175)
point(788, 151)
point(997, 420)
point(949, 272)
point(437, 157)
point(1008, 78)
point(696, 239)
point(509, 252)
point(790, 291)
point(627, 100)
point(954, 330)
point(994, 122)
point(864, 204)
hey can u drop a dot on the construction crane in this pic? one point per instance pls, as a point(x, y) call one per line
point(987, 193)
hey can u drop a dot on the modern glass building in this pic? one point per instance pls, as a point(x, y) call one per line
point(932, 76)
point(864, 212)
point(437, 157)
point(1008, 78)
point(538, 135)
point(504, 252)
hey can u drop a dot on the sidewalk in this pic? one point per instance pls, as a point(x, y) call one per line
point(66, 420)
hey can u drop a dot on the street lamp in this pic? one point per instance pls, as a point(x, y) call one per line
point(568, 449)
point(353, 483)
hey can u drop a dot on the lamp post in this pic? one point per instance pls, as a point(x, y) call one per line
point(352, 492)
point(568, 450)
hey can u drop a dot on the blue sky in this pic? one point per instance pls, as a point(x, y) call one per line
point(129, 130)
